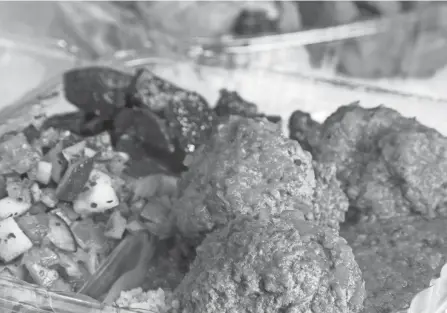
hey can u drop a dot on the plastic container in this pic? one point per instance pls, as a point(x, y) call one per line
point(274, 93)
point(26, 63)
point(403, 52)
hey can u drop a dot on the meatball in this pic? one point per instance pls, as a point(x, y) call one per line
point(290, 266)
point(388, 165)
point(398, 258)
point(247, 168)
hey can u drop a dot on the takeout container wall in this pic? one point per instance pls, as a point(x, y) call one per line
point(410, 55)
point(275, 93)
point(25, 64)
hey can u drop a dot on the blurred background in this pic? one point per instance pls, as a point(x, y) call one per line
point(389, 44)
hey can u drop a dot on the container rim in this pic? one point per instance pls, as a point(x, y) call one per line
point(52, 301)
point(269, 42)
point(135, 58)
point(48, 47)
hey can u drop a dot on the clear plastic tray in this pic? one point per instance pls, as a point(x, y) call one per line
point(404, 52)
point(275, 93)
point(25, 63)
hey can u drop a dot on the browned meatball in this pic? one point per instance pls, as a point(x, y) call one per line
point(290, 266)
point(389, 165)
point(398, 258)
point(249, 168)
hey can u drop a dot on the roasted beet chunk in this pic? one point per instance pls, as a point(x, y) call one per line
point(74, 179)
point(147, 141)
point(188, 115)
point(94, 125)
point(150, 129)
point(80, 123)
point(143, 161)
point(96, 89)
point(68, 121)
point(31, 133)
point(150, 91)
point(231, 103)
point(190, 120)
point(122, 124)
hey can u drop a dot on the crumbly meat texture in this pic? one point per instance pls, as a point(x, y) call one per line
point(330, 203)
point(389, 165)
point(231, 103)
point(247, 168)
point(398, 258)
point(303, 129)
point(290, 266)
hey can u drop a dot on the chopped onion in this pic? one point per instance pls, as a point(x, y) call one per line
point(36, 192)
point(99, 177)
point(13, 242)
point(49, 198)
point(89, 153)
point(10, 207)
point(98, 195)
point(44, 170)
point(41, 275)
point(74, 180)
point(135, 226)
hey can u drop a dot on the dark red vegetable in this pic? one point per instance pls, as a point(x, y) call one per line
point(146, 126)
point(69, 121)
point(190, 120)
point(74, 179)
point(150, 91)
point(231, 103)
point(96, 89)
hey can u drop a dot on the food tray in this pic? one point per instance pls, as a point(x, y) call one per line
point(25, 63)
point(402, 51)
point(275, 93)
